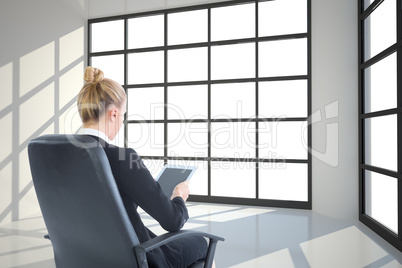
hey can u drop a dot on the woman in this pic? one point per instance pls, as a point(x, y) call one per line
point(102, 105)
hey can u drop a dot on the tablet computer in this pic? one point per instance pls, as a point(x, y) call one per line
point(171, 175)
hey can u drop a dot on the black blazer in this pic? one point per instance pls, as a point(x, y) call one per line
point(138, 188)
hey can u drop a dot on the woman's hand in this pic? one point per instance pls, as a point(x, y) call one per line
point(182, 190)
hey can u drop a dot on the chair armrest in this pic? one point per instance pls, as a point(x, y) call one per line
point(161, 240)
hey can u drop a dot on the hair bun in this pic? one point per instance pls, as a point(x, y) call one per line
point(93, 75)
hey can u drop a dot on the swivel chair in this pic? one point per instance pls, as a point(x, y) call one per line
point(85, 217)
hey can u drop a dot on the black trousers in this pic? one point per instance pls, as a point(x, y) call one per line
point(179, 254)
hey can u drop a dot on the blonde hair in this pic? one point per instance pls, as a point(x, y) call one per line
point(97, 94)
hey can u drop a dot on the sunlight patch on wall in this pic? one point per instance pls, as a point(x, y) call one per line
point(71, 47)
point(70, 84)
point(28, 202)
point(35, 112)
point(70, 121)
point(24, 170)
point(6, 78)
point(5, 192)
point(6, 136)
point(36, 67)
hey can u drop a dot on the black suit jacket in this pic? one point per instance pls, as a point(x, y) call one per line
point(138, 188)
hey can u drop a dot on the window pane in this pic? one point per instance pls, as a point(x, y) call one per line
point(380, 29)
point(233, 61)
point(139, 30)
point(282, 140)
point(107, 36)
point(145, 103)
point(282, 58)
point(146, 32)
point(233, 179)
point(233, 139)
point(188, 102)
point(282, 17)
point(188, 139)
point(147, 67)
point(188, 27)
point(233, 22)
point(112, 66)
point(380, 85)
point(283, 181)
point(199, 181)
point(233, 100)
point(381, 142)
point(189, 64)
point(381, 199)
point(283, 99)
point(146, 139)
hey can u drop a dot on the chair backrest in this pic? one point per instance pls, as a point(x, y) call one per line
point(80, 202)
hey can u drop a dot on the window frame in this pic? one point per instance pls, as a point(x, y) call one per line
point(364, 12)
point(209, 44)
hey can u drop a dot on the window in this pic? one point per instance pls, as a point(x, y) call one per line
point(380, 118)
point(224, 87)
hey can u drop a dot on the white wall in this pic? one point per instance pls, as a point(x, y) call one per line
point(335, 84)
point(41, 64)
point(43, 55)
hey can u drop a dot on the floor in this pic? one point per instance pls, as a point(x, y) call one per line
point(255, 237)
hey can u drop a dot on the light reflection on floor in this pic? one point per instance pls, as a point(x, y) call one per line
point(255, 237)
